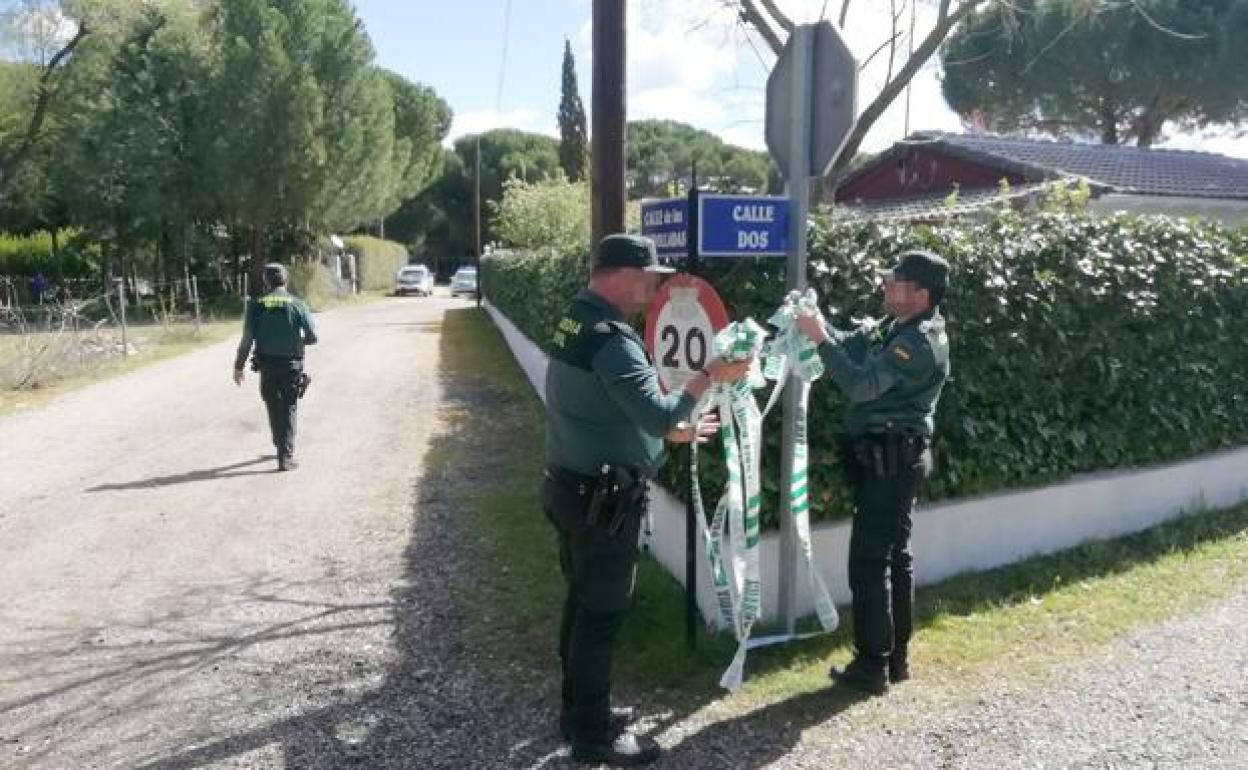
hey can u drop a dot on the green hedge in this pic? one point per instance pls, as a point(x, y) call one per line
point(1078, 344)
point(379, 260)
point(26, 255)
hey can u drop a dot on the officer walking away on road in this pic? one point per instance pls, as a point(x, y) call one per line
point(892, 375)
point(280, 326)
point(606, 419)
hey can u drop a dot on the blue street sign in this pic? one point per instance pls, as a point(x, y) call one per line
point(743, 225)
point(666, 222)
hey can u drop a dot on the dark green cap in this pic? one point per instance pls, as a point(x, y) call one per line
point(275, 274)
point(622, 250)
point(924, 268)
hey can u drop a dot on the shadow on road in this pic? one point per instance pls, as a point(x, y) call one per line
point(447, 700)
point(222, 472)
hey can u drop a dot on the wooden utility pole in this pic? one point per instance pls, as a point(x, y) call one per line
point(476, 205)
point(608, 129)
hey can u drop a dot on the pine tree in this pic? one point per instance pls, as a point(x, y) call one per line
point(573, 135)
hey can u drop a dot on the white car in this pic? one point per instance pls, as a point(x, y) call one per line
point(464, 281)
point(414, 279)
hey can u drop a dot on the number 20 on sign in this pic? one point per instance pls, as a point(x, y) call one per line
point(680, 324)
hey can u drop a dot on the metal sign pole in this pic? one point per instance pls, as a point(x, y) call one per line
point(799, 195)
point(121, 301)
point(691, 514)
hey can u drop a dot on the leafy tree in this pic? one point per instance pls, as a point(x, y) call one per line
point(38, 79)
point(573, 133)
point(661, 154)
point(422, 120)
point(305, 123)
point(438, 222)
point(132, 151)
point(1118, 71)
point(550, 214)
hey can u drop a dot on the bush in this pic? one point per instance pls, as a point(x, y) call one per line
point(550, 214)
point(378, 261)
point(1078, 344)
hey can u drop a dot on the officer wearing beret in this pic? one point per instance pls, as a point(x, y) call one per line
point(606, 420)
point(892, 375)
point(279, 325)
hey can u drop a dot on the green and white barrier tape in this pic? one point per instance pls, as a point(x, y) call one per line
point(736, 520)
point(735, 524)
point(790, 351)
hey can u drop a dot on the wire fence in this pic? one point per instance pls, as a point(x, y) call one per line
point(50, 333)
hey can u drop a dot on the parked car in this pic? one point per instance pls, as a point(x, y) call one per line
point(464, 281)
point(414, 279)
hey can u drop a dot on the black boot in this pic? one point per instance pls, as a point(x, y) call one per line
point(626, 750)
point(862, 674)
point(898, 667)
point(621, 716)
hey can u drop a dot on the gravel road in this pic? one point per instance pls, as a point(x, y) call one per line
point(171, 601)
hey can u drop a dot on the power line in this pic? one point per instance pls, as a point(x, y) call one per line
point(502, 65)
point(498, 109)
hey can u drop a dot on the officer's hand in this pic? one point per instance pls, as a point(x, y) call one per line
point(723, 370)
point(812, 327)
point(684, 433)
point(238, 377)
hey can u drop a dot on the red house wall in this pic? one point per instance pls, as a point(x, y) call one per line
point(920, 172)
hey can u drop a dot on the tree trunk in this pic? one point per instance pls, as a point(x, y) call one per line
point(1109, 121)
point(257, 261)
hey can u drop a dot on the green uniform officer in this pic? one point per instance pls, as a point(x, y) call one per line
point(279, 325)
point(606, 421)
point(892, 375)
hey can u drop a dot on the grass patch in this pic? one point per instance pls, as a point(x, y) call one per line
point(1017, 620)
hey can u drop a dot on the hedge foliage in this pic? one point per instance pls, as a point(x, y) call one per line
point(1077, 343)
point(25, 255)
point(379, 260)
point(314, 283)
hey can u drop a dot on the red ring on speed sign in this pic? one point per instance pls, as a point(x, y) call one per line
point(681, 324)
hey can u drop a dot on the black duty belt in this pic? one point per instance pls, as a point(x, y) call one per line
point(572, 480)
point(883, 454)
point(613, 495)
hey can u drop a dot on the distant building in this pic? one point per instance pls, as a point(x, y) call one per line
point(915, 179)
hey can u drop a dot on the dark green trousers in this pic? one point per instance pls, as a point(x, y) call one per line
point(881, 571)
point(599, 570)
point(279, 387)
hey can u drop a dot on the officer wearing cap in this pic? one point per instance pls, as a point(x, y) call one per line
point(606, 421)
point(279, 325)
point(892, 374)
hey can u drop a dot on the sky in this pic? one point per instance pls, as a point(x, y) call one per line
point(688, 60)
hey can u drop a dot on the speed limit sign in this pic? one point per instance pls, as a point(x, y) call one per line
point(680, 324)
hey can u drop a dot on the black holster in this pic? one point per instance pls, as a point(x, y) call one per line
point(616, 493)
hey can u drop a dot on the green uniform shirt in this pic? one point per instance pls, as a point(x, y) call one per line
point(892, 373)
point(279, 324)
point(603, 400)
